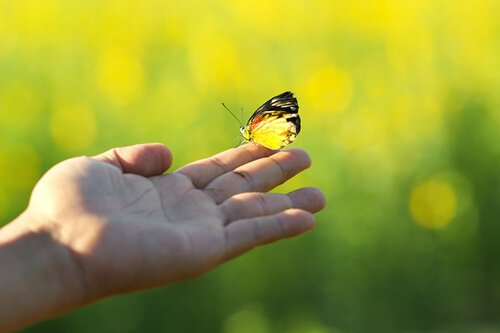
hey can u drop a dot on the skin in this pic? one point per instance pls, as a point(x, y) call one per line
point(114, 223)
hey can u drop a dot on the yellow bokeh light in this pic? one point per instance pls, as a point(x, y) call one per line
point(120, 75)
point(433, 204)
point(263, 17)
point(329, 89)
point(410, 44)
point(73, 127)
point(213, 58)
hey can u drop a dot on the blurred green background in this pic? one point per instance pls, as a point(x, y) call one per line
point(400, 109)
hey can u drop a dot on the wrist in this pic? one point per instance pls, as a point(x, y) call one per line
point(40, 278)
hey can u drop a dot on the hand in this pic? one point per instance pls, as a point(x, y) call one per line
point(113, 223)
point(129, 227)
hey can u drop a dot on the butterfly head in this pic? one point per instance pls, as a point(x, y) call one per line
point(245, 133)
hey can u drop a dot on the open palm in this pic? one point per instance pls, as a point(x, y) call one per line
point(127, 226)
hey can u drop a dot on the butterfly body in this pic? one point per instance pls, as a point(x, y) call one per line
point(275, 124)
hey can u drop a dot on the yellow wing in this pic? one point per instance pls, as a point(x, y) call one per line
point(272, 131)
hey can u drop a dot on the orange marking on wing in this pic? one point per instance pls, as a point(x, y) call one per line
point(256, 121)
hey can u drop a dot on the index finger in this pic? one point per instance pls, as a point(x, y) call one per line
point(202, 172)
point(259, 176)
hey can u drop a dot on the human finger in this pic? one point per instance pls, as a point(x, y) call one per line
point(243, 235)
point(150, 159)
point(204, 171)
point(254, 204)
point(260, 175)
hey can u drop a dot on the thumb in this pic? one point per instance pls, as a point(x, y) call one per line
point(149, 159)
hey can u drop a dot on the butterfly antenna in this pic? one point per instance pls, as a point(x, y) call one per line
point(225, 107)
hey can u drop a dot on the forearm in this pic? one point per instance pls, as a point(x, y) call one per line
point(38, 279)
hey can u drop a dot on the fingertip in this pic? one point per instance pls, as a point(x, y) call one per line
point(311, 199)
point(318, 198)
point(301, 155)
point(148, 159)
point(162, 155)
point(298, 221)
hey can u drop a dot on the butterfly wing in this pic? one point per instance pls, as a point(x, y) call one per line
point(276, 123)
point(286, 102)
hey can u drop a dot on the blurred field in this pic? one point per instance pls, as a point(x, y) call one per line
point(400, 106)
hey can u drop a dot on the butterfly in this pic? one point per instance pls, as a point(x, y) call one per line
point(275, 124)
